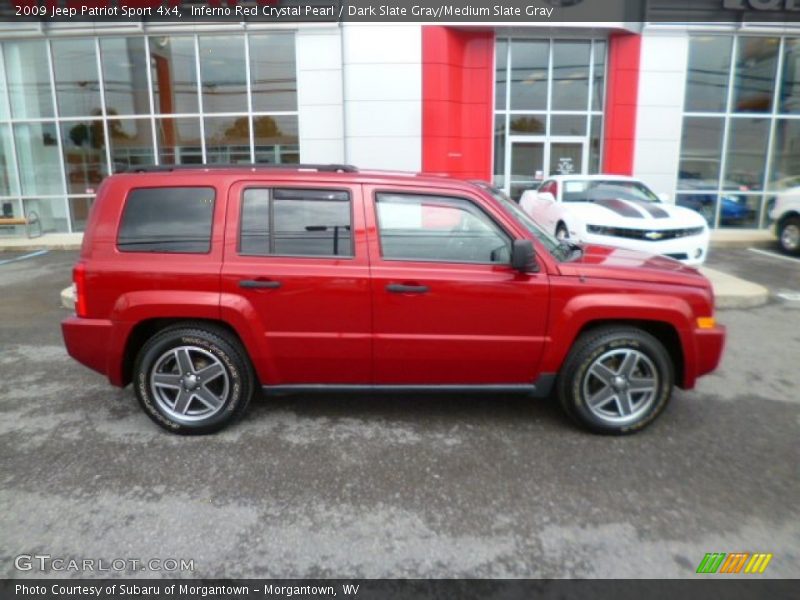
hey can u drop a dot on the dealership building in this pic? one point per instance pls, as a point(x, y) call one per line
point(708, 114)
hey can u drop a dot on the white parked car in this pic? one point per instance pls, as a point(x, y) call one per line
point(613, 210)
point(786, 214)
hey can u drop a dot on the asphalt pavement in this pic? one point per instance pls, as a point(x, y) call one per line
point(389, 486)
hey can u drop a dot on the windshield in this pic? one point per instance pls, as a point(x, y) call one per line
point(589, 190)
point(560, 251)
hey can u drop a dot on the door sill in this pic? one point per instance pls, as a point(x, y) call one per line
point(540, 389)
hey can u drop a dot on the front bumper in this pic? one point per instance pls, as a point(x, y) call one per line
point(691, 251)
point(708, 347)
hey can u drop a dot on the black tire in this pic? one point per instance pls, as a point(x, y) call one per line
point(231, 382)
point(562, 233)
point(787, 235)
point(603, 346)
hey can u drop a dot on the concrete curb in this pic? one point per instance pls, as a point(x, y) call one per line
point(732, 292)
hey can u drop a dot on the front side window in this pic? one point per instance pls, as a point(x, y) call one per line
point(167, 219)
point(437, 228)
point(296, 222)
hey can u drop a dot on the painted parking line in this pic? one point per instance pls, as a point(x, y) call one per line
point(774, 255)
point(25, 256)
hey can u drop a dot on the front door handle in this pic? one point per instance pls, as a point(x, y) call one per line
point(400, 288)
point(258, 284)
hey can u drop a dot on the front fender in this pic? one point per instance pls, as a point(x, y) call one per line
point(582, 310)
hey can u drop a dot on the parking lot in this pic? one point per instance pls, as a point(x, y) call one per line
point(385, 486)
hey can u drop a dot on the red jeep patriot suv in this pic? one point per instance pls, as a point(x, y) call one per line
point(201, 285)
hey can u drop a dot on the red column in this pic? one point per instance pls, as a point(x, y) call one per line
point(622, 90)
point(457, 88)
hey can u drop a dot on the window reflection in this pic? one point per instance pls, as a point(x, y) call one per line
point(172, 61)
point(756, 62)
point(125, 75)
point(223, 74)
point(598, 85)
point(38, 159)
point(529, 61)
point(790, 84)
point(709, 69)
point(570, 75)
point(747, 154)
point(786, 156)
point(84, 145)
point(8, 175)
point(179, 141)
point(28, 79)
point(501, 72)
point(227, 139)
point(76, 78)
point(701, 153)
point(276, 139)
point(131, 143)
point(273, 78)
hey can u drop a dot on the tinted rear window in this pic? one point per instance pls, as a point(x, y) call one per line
point(167, 219)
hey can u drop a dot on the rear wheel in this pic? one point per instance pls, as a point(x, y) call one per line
point(616, 380)
point(789, 235)
point(193, 379)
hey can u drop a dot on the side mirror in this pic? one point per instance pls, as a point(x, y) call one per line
point(523, 257)
point(547, 197)
point(664, 197)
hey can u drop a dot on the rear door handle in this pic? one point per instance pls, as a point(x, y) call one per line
point(400, 288)
point(258, 284)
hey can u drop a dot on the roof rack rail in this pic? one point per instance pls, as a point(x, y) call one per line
point(328, 168)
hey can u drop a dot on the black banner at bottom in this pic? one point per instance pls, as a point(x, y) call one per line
point(260, 589)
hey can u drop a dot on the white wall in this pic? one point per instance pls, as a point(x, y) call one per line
point(319, 95)
point(662, 84)
point(383, 95)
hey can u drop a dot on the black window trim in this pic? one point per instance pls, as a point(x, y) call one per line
point(446, 196)
point(271, 208)
point(171, 252)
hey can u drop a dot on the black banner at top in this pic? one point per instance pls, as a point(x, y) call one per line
point(422, 11)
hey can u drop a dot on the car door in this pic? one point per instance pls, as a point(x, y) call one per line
point(448, 308)
point(296, 265)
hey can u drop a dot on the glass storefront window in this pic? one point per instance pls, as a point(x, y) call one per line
point(499, 150)
point(754, 83)
point(125, 75)
point(701, 153)
point(5, 113)
point(76, 78)
point(84, 145)
point(528, 124)
point(174, 73)
point(746, 160)
point(28, 80)
point(223, 76)
point(9, 186)
point(276, 139)
point(227, 139)
point(529, 66)
point(500, 72)
point(131, 143)
point(708, 73)
point(790, 79)
point(570, 75)
point(568, 125)
point(38, 158)
point(785, 171)
point(179, 141)
point(599, 83)
point(273, 76)
point(595, 143)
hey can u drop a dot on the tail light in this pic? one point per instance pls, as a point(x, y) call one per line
point(79, 279)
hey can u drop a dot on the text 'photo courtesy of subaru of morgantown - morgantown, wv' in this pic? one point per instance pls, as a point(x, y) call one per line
point(327, 278)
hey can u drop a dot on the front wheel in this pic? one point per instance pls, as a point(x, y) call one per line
point(616, 380)
point(193, 379)
point(789, 235)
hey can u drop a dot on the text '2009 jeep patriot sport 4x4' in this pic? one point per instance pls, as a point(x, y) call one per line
point(198, 285)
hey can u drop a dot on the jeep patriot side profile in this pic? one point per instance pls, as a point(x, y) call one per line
point(201, 285)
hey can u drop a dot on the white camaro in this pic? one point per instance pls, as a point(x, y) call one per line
point(613, 210)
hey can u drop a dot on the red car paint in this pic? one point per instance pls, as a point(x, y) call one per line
point(332, 322)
